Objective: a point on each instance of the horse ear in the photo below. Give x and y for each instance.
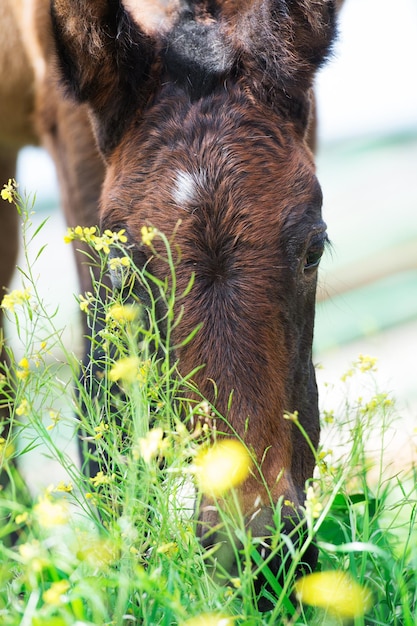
(104, 59)
(282, 44)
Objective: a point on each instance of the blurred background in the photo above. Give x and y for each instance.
(367, 166)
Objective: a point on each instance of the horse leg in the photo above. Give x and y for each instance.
(66, 132)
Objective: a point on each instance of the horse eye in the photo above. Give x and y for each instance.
(313, 256)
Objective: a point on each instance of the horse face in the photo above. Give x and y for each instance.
(240, 194)
(203, 132)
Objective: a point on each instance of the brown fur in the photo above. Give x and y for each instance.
(202, 117)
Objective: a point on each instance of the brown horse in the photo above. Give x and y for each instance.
(201, 114)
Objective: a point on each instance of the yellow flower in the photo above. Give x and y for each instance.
(86, 234)
(381, 400)
(100, 430)
(22, 518)
(119, 262)
(123, 313)
(170, 549)
(23, 373)
(70, 236)
(9, 191)
(89, 233)
(328, 417)
(55, 595)
(102, 244)
(292, 417)
(15, 298)
(366, 363)
(86, 301)
(348, 374)
(209, 619)
(125, 369)
(151, 446)
(33, 555)
(148, 235)
(6, 450)
(116, 237)
(49, 513)
(101, 479)
(143, 374)
(64, 487)
(335, 592)
(24, 363)
(312, 503)
(97, 552)
(55, 417)
(23, 408)
(223, 466)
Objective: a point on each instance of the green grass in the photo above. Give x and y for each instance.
(120, 547)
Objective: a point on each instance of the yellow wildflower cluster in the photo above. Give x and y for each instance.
(148, 234)
(6, 450)
(324, 462)
(169, 549)
(55, 595)
(379, 401)
(86, 301)
(55, 418)
(221, 467)
(152, 446)
(89, 235)
(334, 591)
(364, 363)
(123, 313)
(33, 555)
(64, 487)
(8, 192)
(125, 369)
(101, 479)
(118, 263)
(22, 518)
(23, 408)
(100, 430)
(96, 551)
(313, 504)
(328, 416)
(24, 369)
(15, 298)
(50, 513)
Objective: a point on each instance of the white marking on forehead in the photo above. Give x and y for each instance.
(188, 187)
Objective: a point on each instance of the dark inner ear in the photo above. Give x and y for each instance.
(105, 60)
(197, 55)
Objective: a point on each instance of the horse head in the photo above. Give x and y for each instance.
(202, 117)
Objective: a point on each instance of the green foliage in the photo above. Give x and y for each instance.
(120, 546)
